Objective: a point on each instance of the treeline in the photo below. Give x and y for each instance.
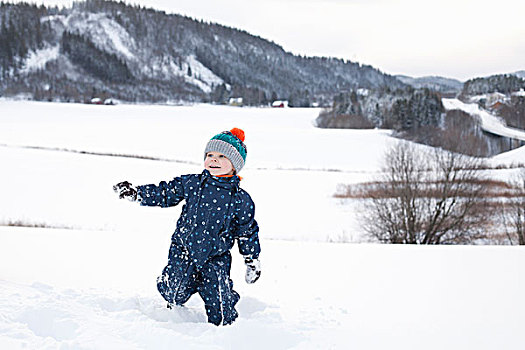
(20, 31)
(513, 112)
(503, 83)
(418, 115)
(401, 109)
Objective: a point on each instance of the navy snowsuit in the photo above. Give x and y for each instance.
(216, 213)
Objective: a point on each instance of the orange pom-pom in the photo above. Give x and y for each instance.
(239, 133)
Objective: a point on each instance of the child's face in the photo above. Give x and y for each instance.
(217, 164)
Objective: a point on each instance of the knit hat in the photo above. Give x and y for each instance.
(231, 144)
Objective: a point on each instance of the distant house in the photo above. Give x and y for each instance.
(279, 104)
(495, 97)
(495, 106)
(235, 101)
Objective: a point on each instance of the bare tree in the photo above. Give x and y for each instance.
(425, 197)
(514, 211)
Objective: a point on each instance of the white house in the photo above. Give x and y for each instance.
(280, 104)
(235, 101)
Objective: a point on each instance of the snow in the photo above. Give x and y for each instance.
(348, 296)
(90, 282)
(476, 98)
(53, 18)
(516, 156)
(489, 122)
(519, 93)
(363, 92)
(104, 32)
(201, 75)
(37, 59)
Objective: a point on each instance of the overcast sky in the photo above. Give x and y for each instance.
(459, 39)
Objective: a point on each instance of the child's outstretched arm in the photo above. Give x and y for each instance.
(165, 194)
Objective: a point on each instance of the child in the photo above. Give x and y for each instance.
(216, 213)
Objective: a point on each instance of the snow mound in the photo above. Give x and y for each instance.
(310, 296)
(41, 316)
(516, 156)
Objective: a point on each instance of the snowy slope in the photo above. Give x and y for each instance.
(103, 31)
(489, 122)
(110, 36)
(37, 59)
(91, 283)
(516, 156)
(201, 75)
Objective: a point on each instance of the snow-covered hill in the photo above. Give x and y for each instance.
(441, 84)
(489, 122)
(89, 282)
(111, 37)
(136, 54)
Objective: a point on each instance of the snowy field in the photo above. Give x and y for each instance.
(87, 279)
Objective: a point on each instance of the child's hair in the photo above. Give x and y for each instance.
(231, 144)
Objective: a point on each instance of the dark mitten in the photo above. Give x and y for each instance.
(126, 190)
(253, 270)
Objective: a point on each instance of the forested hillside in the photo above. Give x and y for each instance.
(419, 114)
(109, 49)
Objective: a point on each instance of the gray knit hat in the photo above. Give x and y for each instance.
(231, 144)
